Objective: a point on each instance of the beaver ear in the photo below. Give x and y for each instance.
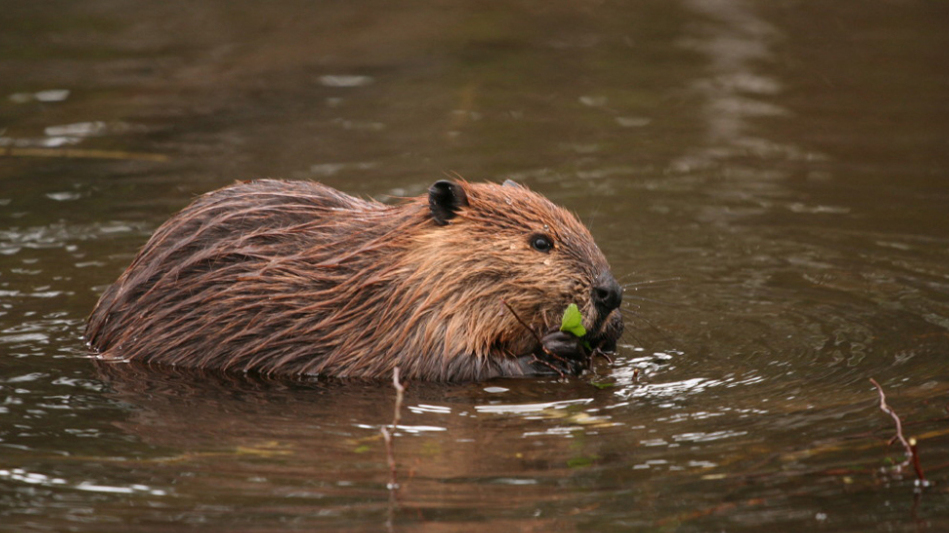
(444, 199)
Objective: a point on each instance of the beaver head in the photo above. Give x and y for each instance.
(508, 256)
(467, 282)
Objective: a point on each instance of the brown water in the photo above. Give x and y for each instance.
(779, 169)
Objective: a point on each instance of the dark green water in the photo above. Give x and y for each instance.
(781, 169)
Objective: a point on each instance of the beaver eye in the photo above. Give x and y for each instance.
(542, 243)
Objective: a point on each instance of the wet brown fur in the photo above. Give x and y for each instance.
(283, 277)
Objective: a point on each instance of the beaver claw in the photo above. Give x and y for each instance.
(560, 353)
(564, 345)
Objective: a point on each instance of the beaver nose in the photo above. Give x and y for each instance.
(607, 294)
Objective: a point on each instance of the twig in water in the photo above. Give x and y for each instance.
(387, 435)
(912, 455)
(916, 465)
(598, 352)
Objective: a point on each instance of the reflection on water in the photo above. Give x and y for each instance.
(768, 178)
(737, 43)
(33, 478)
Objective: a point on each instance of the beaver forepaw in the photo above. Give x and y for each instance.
(565, 345)
(560, 353)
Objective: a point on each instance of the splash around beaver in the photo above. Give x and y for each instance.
(468, 282)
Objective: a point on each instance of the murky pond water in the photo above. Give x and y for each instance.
(769, 179)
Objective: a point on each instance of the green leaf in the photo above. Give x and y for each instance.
(572, 321)
(603, 385)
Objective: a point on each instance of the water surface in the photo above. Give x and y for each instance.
(769, 180)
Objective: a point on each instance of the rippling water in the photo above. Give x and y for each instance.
(768, 180)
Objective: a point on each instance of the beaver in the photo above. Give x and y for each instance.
(468, 282)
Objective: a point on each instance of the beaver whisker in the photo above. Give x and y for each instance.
(648, 300)
(643, 284)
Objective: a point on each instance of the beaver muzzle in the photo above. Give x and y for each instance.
(563, 353)
(607, 293)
